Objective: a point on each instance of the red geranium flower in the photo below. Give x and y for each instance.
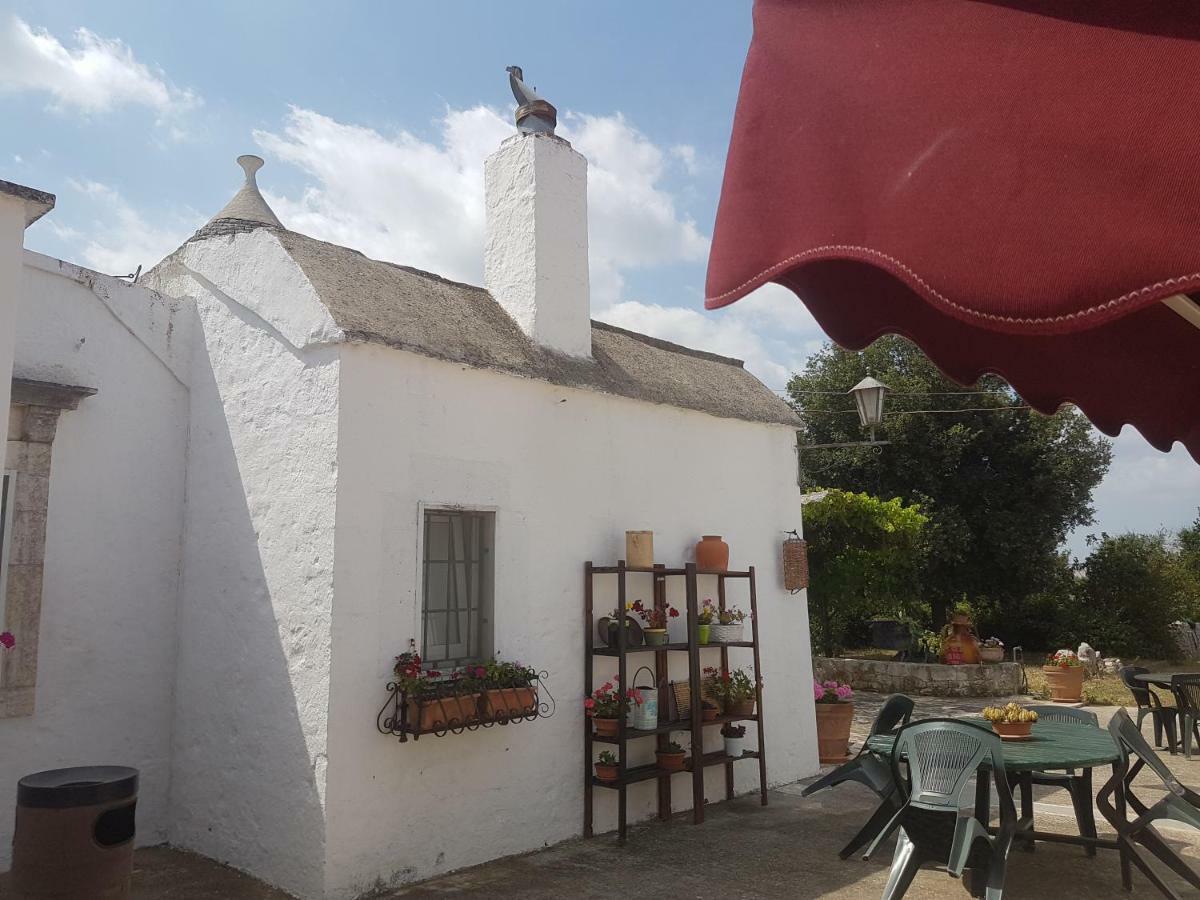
(7, 640)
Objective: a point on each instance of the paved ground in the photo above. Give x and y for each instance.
(785, 850)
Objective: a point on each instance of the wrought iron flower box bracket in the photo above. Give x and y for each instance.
(455, 708)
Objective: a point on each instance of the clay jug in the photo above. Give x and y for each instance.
(712, 554)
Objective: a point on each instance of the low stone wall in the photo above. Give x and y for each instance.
(928, 679)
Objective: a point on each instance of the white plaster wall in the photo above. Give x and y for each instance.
(568, 471)
(107, 642)
(536, 244)
(249, 743)
(12, 239)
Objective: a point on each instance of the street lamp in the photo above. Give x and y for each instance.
(868, 396)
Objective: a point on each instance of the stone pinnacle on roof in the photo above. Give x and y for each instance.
(248, 204)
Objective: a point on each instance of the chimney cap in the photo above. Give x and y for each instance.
(248, 204)
(534, 115)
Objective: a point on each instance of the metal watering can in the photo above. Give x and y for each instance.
(644, 715)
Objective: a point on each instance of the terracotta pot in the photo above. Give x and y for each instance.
(712, 554)
(991, 654)
(639, 549)
(741, 707)
(1012, 729)
(606, 773)
(1066, 683)
(671, 762)
(606, 727)
(510, 703)
(441, 713)
(708, 713)
(655, 637)
(833, 731)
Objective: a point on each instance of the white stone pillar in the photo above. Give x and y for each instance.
(536, 249)
(20, 207)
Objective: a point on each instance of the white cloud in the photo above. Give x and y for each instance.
(95, 76)
(121, 239)
(686, 154)
(401, 198)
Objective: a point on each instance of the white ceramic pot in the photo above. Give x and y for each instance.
(724, 634)
(735, 747)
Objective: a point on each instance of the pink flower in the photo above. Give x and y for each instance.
(818, 691)
(845, 692)
(589, 703)
(7, 641)
(830, 685)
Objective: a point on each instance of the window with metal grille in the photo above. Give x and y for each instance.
(456, 602)
(8, 486)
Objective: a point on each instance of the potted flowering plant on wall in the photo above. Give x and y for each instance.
(655, 630)
(435, 702)
(1064, 675)
(729, 625)
(735, 739)
(835, 712)
(508, 689)
(607, 704)
(733, 690)
(606, 766)
(606, 627)
(671, 758)
(704, 621)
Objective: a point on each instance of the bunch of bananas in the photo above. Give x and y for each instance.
(1010, 714)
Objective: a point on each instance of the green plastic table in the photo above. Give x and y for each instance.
(1054, 747)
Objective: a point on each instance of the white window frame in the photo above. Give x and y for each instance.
(488, 613)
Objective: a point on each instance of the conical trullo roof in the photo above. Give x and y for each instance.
(248, 205)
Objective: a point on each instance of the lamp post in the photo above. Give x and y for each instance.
(868, 397)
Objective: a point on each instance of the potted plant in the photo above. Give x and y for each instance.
(709, 710)
(435, 702)
(835, 712)
(729, 625)
(735, 690)
(508, 689)
(992, 650)
(1064, 675)
(959, 644)
(704, 621)
(929, 644)
(606, 628)
(672, 758)
(607, 704)
(606, 766)
(735, 739)
(655, 631)
(1011, 722)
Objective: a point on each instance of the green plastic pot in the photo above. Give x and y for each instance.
(702, 633)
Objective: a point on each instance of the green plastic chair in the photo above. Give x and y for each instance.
(1078, 786)
(1148, 704)
(1186, 689)
(867, 768)
(1179, 803)
(942, 755)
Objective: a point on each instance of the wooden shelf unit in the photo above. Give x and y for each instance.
(695, 723)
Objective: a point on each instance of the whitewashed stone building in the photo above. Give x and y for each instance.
(221, 479)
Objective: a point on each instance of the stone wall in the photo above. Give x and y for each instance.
(927, 679)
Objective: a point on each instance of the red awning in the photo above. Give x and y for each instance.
(1015, 186)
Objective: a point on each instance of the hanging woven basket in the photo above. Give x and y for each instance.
(795, 564)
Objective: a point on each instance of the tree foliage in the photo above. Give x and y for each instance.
(864, 555)
(1002, 486)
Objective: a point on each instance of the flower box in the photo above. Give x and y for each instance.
(441, 713)
(510, 703)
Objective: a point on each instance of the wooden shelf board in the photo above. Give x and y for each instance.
(677, 645)
(612, 570)
(667, 727)
(719, 758)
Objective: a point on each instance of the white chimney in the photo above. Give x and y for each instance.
(536, 248)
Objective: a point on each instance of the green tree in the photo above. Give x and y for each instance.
(1001, 485)
(1137, 585)
(864, 554)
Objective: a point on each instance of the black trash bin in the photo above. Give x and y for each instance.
(74, 834)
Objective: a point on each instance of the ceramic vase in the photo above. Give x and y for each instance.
(712, 554)
(639, 549)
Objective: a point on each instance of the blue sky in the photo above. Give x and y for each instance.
(374, 120)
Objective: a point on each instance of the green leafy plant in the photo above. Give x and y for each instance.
(607, 758)
(730, 730)
(672, 748)
(707, 612)
(729, 687)
(502, 674)
(730, 615)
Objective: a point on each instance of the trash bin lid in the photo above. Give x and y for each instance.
(79, 786)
